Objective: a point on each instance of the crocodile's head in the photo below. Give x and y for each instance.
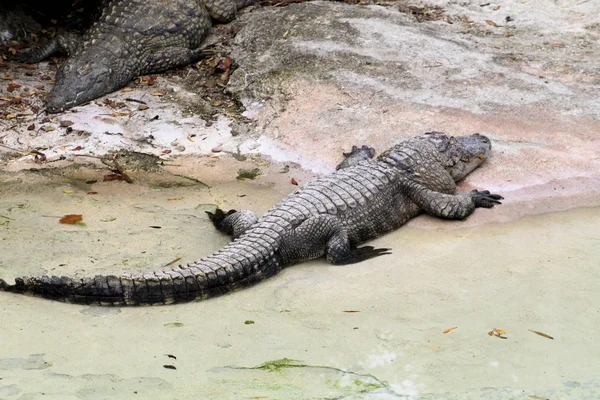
(460, 155)
(81, 79)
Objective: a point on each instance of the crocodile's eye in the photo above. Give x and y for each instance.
(84, 69)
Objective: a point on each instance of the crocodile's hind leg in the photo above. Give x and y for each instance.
(356, 155)
(233, 222)
(63, 42)
(325, 235)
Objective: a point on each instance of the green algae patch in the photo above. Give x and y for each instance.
(252, 173)
(278, 365)
(174, 325)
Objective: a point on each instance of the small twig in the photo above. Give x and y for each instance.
(121, 170)
(10, 148)
(115, 165)
(135, 100)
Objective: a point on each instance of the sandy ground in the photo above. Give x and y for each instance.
(371, 330)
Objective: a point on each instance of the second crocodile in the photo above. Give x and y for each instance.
(327, 217)
(130, 38)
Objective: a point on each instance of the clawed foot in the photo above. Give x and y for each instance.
(364, 253)
(485, 199)
(218, 217)
(24, 57)
(356, 155)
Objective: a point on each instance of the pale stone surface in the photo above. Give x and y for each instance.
(335, 75)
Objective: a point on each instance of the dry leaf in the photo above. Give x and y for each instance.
(351, 311)
(48, 128)
(65, 123)
(541, 334)
(490, 22)
(71, 219)
(13, 86)
(294, 182)
(142, 107)
(450, 329)
(175, 198)
(113, 177)
(120, 113)
(159, 94)
(173, 262)
(498, 333)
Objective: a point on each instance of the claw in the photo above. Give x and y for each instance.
(485, 199)
(366, 252)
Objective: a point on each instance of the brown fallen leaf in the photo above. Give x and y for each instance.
(71, 219)
(65, 123)
(158, 94)
(31, 127)
(175, 198)
(13, 86)
(113, 177)
(294, 182)
(533, 396)
(173, 262)
(490, 22)
(450, 329)
(351, 311)
(541, 334)
(92, 192)
(498, 333)
(142, 107)
(120, 113)
(28, 66)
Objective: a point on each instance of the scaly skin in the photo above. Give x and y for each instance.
(131, 38)
(327, 217)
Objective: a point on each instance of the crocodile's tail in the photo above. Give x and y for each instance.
(237, 265)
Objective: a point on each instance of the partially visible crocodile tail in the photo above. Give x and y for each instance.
(233, 267)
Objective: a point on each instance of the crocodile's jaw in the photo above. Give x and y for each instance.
(85, 78)
(467, 153)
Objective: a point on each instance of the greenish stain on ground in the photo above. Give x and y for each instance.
(248, 174)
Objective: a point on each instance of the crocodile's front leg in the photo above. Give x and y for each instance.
(232, 223)
(324, 235)
(449, 205)
(170, 57)
(356, 155)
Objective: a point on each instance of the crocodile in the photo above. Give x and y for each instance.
(329, 217)
(130, 38)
